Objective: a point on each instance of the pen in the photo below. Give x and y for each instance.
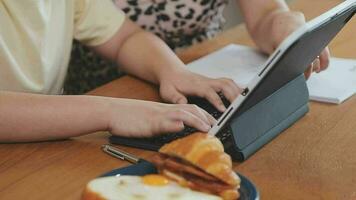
(117, 153)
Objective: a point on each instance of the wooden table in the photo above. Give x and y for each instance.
(313, 159)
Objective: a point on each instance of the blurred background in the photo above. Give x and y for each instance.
(232, 17)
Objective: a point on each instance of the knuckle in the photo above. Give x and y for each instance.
(220, 81)
(202, 92)
(229, 80)
(197, 121)
(217, 82)
(180, 113)
(208, 93)
(194, 107)
(216, 97)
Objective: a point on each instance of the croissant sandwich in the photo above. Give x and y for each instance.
(199, 162)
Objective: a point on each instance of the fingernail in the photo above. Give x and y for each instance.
(222, 107)
(181, 101)
(206, 127)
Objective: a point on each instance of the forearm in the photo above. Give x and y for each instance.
(30, 117)
(140, 53)
(148, 57)
(264, 19)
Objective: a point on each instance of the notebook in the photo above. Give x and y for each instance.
(242, 63)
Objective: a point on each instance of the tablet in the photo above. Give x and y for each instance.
(290, 59)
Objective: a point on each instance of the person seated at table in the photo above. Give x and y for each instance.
(182, 23)
(34, 52)
(35, 44)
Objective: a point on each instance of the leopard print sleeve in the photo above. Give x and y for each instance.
(180, 23)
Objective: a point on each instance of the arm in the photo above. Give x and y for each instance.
(32, 117)
(264, 19)
(269, 22)
(144, 55)
(140, 53)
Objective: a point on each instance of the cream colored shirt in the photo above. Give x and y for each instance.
(36, 38)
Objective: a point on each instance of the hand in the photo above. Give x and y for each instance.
(284, 23)
(176, 85)
(135, 118)
(319, 64)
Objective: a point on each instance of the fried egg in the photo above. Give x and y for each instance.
(149, 187)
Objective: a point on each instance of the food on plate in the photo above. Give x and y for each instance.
(191, 168)
(199, 162)
(148, 187)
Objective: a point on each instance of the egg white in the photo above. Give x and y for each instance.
(132, 188)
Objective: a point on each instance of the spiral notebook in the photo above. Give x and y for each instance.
(242, 63)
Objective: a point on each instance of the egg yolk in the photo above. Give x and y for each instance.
(155, 180)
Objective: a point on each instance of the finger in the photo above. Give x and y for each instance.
(211, 119)
(308, 72)
(196, 111)
(190, 120)
(324, 59)
(228, 88)
(170, 126)
(170, 94)
(181, 99)
(213, 98)
(316, 65)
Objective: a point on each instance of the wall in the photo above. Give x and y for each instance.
(232, 14)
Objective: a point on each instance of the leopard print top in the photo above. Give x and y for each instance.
(180, 23)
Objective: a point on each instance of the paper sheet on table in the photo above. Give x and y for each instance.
(335, 84)
(242, 63)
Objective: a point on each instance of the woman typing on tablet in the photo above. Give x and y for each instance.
(34, 53)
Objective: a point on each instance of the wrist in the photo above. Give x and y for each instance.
(169, 73)
(118, 111)
(275, 27)
(284, 23)
(101, 111)
(283, 18)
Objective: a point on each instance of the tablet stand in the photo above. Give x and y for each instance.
(253, 128)
(264, 121)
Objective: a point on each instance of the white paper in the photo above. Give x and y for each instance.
(237, 62)
(335, 84)
(242, 63)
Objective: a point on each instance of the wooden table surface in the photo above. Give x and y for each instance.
(313, 159)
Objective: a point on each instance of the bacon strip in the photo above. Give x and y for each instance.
(197, 178)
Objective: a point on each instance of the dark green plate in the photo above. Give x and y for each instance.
(248, 190)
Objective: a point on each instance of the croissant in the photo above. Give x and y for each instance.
(199, 162)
